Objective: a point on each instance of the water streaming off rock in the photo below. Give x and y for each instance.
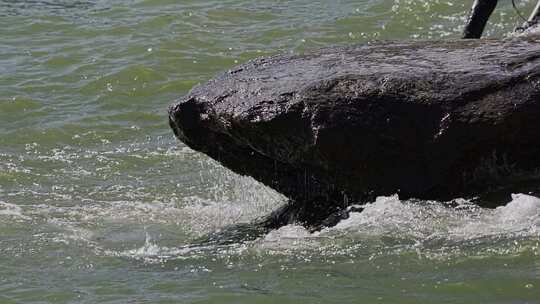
(100, 204)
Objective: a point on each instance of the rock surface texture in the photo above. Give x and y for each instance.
(427, 120)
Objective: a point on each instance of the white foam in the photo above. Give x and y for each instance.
(421, 222)
(520, 216)
(12, 210)
(388, 215)
(149, 249)
(151, 252)
(523, 209)
(288, 237)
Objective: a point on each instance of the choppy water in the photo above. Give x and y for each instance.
(98, 201)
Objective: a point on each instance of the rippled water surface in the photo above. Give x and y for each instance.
(99, 203)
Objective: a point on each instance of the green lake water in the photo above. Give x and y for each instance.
(99, 202)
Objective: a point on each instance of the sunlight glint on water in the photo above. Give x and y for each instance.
(100, 204)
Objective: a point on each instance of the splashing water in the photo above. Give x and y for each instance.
(426, 225)
(100, 204)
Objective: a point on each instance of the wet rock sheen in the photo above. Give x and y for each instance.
(427, 120)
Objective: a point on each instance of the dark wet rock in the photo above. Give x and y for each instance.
(427, 120)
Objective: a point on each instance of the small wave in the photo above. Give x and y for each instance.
(150, 252)
(153, 253)
(289, 237)
(427, 228)
(387, 227)
(31, 6)
(430, 219)
(12, 210)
